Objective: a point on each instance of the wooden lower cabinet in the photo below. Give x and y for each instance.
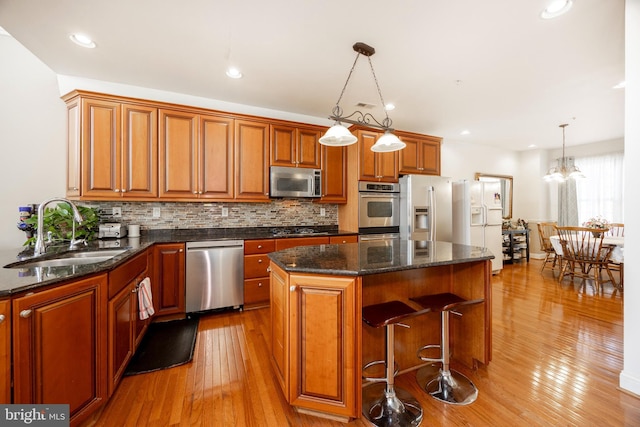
(167, 284)
(60, 346)
(256, 274)
(124, 326)
(5, 351)
(315, 330)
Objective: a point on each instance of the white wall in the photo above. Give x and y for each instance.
(630, 376)
(32, 136)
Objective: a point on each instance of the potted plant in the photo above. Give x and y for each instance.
(58, 221)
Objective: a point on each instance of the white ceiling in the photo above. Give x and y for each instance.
(492, 67)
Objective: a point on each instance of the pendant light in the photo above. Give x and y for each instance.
(339, 135)
(565, 167)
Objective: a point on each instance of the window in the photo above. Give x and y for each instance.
(601, 192)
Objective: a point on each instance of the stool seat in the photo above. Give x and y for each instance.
(384, 404)
(383, 314)
(442, 383)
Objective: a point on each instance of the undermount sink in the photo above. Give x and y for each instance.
(69, 258)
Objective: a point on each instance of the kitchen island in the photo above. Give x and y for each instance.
(319, 343)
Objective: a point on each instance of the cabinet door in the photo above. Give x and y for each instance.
(280, 327)
(5, 351)
(283, 145)
(334, 174)
(121, 310)
(139, 151)
(168, 286)
(252, 160)
(178, 138)
(215, 158)
(74, 142)
(367, 161)
(420, 156)
(101, 148)
(60, 346)
(324, 329)
(308, 147)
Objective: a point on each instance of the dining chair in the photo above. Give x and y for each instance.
(545, 231)
(616, 229)
(584, 255)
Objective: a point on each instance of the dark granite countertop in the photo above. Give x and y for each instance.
(378, 256)
(16, 280)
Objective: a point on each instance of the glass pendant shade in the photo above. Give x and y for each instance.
(388, 142)
(338, 136)
(565, 167)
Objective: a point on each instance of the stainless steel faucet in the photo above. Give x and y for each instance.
(40, 247)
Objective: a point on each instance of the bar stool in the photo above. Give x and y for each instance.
(442, 383)
(384, 404)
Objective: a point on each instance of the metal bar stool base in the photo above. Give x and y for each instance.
(398, 408)
(449, 387)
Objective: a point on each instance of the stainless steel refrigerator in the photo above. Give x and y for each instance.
(477, 217)
(425, 208)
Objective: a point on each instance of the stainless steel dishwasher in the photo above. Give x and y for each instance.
(214, 275)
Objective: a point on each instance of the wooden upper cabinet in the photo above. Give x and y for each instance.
(334, 174)
(421, 155)
(373, 166)
(251, 160)
(178, 142)
(119, 150)
(74, 149)
(215, 157)
(295, 146)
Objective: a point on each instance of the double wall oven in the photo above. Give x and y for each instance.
(378, 210)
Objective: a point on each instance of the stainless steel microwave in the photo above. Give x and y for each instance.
(295, 182)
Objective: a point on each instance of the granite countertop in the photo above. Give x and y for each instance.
(16, 280)
(378, 256)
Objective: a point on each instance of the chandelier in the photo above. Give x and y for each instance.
(338, 135)
(565, 167)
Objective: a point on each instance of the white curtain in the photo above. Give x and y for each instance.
(567, 204)
(600, 193)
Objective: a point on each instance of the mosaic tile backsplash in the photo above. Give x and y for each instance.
(277, 213)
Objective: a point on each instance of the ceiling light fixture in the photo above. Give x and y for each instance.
(565, 167)
(234, 73)
(620, 85)
(556, 8)
(339, 135)
(82, 40)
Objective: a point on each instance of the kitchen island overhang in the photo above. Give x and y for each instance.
(319, 342)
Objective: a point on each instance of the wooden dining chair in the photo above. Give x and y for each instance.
(545, 231)
(584, 255)
(616, 229)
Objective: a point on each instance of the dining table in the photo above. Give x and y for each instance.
(617, 254)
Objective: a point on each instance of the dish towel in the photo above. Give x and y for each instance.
(145, 302)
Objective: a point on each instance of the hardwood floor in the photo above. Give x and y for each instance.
(557, 355)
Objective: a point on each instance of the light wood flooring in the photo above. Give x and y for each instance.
(557, 355)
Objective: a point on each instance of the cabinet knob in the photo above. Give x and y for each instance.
(124, 190)
(25, 313)
(259, 246)
(180, 250)
(266, 194)
(259, 261)
(195, 192)
(292, 288)
(2, 315)
(259, 284)
(269, 269)
(117, 190)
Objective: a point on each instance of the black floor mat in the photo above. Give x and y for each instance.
(166, 344)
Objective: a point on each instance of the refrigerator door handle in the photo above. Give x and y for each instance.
(431, 196)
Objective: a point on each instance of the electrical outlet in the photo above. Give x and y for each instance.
(156, 212)
(323, 212)
(116, 212)
(225, 212)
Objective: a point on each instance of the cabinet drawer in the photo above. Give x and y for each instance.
(124, 274)
(256, 291)
(292, 242)
(259, 246)
(256, 266)
(343, 239)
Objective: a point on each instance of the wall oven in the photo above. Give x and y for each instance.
(378, 208)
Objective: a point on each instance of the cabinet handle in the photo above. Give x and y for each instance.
(117, 190)
(259, 246)
(124, 190)
(195, 192)
(2, 315)
(25, 313)
(259, 261)
(259, 284)
(180, 250)
(292, 288)
(266, 194)
(269, 269)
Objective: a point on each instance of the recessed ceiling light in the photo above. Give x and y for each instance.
(620, 85)
(389, 107)
(465, 132)
(82, 40)
(556, 8)
(532, 146)
(234, 73)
